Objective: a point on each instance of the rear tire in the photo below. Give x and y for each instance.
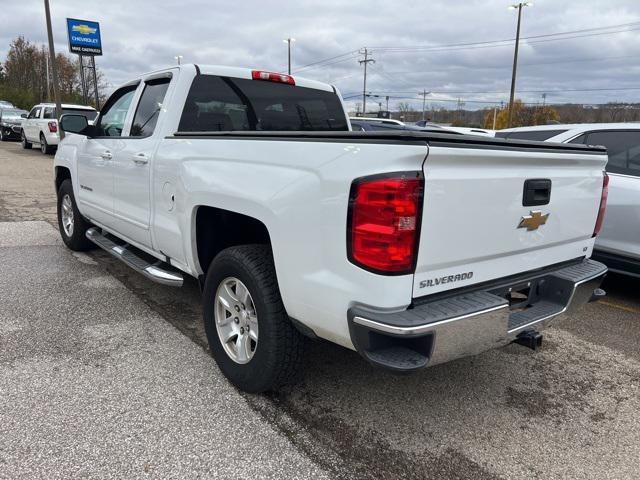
(45, 148)
(2, 139)
(72, 225)
(276, 357)
(25, 144)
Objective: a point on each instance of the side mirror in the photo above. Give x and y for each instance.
(24, 115)
(74, 124)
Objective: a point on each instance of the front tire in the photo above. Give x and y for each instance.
(25, 143)
(2, 138)
(250, 335)
(72, 225)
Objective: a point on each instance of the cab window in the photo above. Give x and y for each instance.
(623, 148)
(34, 113)
(113, 115)
(149, 107)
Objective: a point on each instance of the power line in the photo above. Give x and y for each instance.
(509, 40)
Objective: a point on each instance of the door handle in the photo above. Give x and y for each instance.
(140, 159)
(106, 155)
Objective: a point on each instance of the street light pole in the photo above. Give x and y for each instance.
(288, 42)
(424, 94)
(54, 68)
(364, 86)
(517, 6)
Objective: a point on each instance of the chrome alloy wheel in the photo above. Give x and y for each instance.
(236, 320)
(66, 213)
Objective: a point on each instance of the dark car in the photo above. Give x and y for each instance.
(11, 123)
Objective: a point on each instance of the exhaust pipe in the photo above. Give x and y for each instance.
(530, 339)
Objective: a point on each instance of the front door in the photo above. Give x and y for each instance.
(96, 158)
(133, 164)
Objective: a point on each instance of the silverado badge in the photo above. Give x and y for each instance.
(533, 220)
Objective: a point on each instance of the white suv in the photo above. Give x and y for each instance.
(41, 125)
(618, 244)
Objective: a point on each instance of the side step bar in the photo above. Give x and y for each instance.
(126, 253)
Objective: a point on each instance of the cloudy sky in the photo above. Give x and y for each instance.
(584, 51)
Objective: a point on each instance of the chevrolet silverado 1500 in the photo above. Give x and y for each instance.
(413, 248)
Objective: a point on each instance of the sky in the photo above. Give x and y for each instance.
(428, 45)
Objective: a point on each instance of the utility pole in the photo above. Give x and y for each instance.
(387, 98)
(288, 42)
(54, 68)
(424, 94)
(519, 7)
(364, 86)
(495, 115)
(178, 58)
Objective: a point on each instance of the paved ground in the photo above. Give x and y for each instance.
(110, 387)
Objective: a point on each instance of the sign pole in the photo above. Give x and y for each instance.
(95, 82)
(83, 81)
(54, 68)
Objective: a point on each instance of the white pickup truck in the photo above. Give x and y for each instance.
(413, 248)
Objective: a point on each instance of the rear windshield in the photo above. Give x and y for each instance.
(225, 104)
(540, 135)
(50, 112)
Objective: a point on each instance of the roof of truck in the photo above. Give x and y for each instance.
(67, 105)
(237, 72)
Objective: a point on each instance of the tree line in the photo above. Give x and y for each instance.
(26, 80)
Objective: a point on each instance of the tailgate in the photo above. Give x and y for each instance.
(473, 206)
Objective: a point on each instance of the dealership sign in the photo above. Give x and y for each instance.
(84, 37)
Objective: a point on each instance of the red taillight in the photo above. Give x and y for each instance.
(272, 77)
(53, 127)
(384, 219)
(603, 204)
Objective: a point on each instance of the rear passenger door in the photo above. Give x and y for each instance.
(621, 230)
(133, 164)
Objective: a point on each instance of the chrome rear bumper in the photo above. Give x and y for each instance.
(469, 323)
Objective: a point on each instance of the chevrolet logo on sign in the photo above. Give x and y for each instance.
(84, 29)
(533, 220)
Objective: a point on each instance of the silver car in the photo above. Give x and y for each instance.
(618, 244)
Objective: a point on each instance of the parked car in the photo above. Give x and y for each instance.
(413, 248)
(471, 131)
(41, 126)
(11, 123)
(5, 104)
(618, 245)
(385, 121)
(359, 125)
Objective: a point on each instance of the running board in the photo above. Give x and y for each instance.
(126, 253)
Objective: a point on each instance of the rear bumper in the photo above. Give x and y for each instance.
(469, 323)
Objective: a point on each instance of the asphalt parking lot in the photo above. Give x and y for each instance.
(107, 374)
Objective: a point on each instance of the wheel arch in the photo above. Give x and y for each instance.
(61, 174)
(217, 229)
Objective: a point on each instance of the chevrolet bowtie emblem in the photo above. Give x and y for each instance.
(534, 220)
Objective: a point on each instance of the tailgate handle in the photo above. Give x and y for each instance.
(537, 191)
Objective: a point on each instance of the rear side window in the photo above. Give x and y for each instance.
(49, 112)
(146, 117)
(539, 135)
(224, 104)
(623, 148)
